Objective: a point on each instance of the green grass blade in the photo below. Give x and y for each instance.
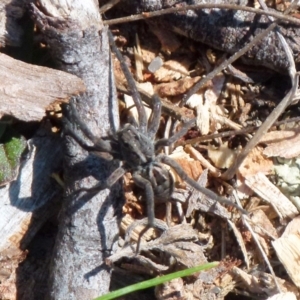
(156, 281)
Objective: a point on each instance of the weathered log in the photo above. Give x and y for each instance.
(11, 32)
(27, 91)
(89, 223)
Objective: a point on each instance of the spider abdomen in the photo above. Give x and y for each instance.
(162, 182)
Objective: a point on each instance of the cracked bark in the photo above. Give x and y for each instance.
(89, 223)
(225, 30)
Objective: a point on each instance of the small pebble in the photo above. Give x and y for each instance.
(155, 64)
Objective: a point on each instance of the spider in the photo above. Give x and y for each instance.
(139, 152)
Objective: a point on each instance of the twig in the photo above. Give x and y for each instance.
(225, 63)
(178, 113)
(261, 250)
(230, 133)
(147, 15)
(273, 116)
(131, 84)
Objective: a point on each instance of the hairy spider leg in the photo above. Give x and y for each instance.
(149, 195)
(148, 130)
(114, 177)
(169, 141)
(68, 129)
(154, 120)
(173, 164)
(131, 85)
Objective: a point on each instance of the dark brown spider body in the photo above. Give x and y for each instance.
(138, 151)
(138, 155)
(162, 182)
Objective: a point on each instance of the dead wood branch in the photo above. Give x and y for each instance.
(33, 87)
(226, 30)
(89, 222)
(10, 31)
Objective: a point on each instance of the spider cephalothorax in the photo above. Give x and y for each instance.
(135, 147)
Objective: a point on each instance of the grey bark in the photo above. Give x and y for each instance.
(89, 223)
(226, 30)
(11, 32)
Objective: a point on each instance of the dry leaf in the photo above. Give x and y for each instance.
(204, 162)
(222, 157)
(202, 112)
(127, 220)
(242, 189)
(173, 70)
(175, 88)
(260, 220)
(171, 290)
(255, 162)
(263, 230)
(263, 187)
(213, 93)
(284, 143)
(177, 241)
(190, 166)
(287, 248)
(198, 201)
(206, 105)
(261, 282)
(148, 55)
(203, 288)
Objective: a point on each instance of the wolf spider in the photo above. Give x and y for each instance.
(135, 147)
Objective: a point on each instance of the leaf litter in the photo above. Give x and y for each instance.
(220, 106)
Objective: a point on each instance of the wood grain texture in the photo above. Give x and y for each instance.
(89, 223)
(10, 30)
(27, 91)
